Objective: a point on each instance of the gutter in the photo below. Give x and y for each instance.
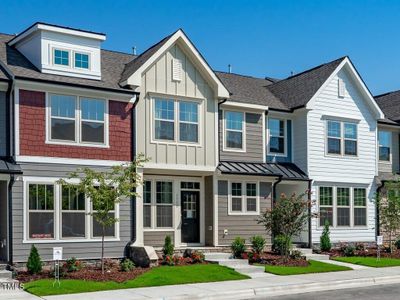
(309, 215)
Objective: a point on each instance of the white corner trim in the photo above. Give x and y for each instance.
(136, 78)
(68, 161)
(245, 106)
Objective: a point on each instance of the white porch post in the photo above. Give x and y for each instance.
(139, 212)
(215, 215)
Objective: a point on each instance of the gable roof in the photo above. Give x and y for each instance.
(112, 66)
(390, 105)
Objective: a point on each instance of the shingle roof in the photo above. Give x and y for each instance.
(135, 64)
(9, 167)
(3, 75)
(389, 103)
(288, 171)
(112, 66)
(286, 94)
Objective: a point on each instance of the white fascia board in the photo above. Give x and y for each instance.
(84, 34)
(68, 161)
(370, 99)
(245, 106)
(136, 78)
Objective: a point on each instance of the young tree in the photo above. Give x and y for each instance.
(105, 189)
(325, 240)
(287, 217)
(388, 205)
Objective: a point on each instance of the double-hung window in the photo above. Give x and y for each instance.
(92, 120)
(343, 206)
(164, 118)
(188, 122)
(164, 204)
(360, 207)
(97, 228)
(61, 57)
(276, 136)
(73, 213)
(41, 211)
(63, 118)
(325, 205)
(78, 120)
(342, 138)
(385, 142)
(81, 60)
(147, 201)
(234, 127)
(244, 198)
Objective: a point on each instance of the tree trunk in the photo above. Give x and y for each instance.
(102, 250)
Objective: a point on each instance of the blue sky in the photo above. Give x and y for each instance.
(259, 38)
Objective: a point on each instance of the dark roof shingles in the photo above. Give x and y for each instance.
(389, 103)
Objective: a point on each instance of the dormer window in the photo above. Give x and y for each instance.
(81, 60)
(61, 57)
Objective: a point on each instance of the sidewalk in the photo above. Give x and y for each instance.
(268, 286)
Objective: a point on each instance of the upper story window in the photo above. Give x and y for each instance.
(176, 120)
(61, 57)
(234, 130)
(77, 120)
(277, 136)
(385, 142)
(341, 138)
(81, 60)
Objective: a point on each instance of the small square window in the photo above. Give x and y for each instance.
(61, 57)
(81, 60)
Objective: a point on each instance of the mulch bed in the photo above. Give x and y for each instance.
(368, 252)
(270, 258)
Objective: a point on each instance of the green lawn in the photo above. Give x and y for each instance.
(370, 261)
(314, 267)
(156, 277)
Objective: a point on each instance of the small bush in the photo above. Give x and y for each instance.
(325, 240)
(397, 243)
(349, 250)
(72, 265)
(168, 249)
(127, 265)
(34, 264)
(296, 254)
(257, 244)
(360, 247)
(253, 257)
(238, 247)
(282, 244)
(197, 257)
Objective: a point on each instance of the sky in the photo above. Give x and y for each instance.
(258, 38)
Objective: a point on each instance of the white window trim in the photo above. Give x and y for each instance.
(78, 123)
(224, 146)
(342, 139)
(89, 60)
(244, 197)
(177, 100)
(390, 147)
(285, 144)
(334, 207)
(57, 215)
(53, 57)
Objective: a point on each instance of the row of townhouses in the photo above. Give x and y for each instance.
(221, 146)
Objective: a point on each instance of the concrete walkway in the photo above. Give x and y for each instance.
(252, 288)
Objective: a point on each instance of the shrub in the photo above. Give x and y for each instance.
(168, 249)
(296, 254)
(72, 265)
(349, 250)
(197, 257)
(360, 247)
(397, 243)
(283, 244)
(253, 257)
(34, 264)
(257, 244)
(127, 265)
(238, 247)
(325, 240)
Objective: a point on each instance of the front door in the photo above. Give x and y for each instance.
(190, 201)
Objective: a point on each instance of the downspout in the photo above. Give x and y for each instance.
(273, 200)
(309, 215)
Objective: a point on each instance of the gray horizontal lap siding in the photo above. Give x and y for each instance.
(156, 238)
(81, 250)
(241, 225)
(3, 124)
(254, 140)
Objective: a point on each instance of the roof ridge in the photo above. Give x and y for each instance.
(270, 79)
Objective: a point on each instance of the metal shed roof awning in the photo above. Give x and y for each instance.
(287, 171)
(9, 167)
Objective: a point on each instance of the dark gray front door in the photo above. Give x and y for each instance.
(190, 201)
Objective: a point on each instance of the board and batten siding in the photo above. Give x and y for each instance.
(392, 166)
(80, 250)
(157, 81)
(244, 226)
(340, 171)
(3, 124)
(157, 238)
(253, 138)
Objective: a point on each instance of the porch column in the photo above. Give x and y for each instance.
(139, 212)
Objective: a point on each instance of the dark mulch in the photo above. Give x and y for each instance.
(366, 252)
(270, 258)
(92, 273)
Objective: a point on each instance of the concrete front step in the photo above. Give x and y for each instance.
(304, 251)
(250, 269)
(232, 263)
(3, 267)
(317, 256)
(5, 274)
(217, 256)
